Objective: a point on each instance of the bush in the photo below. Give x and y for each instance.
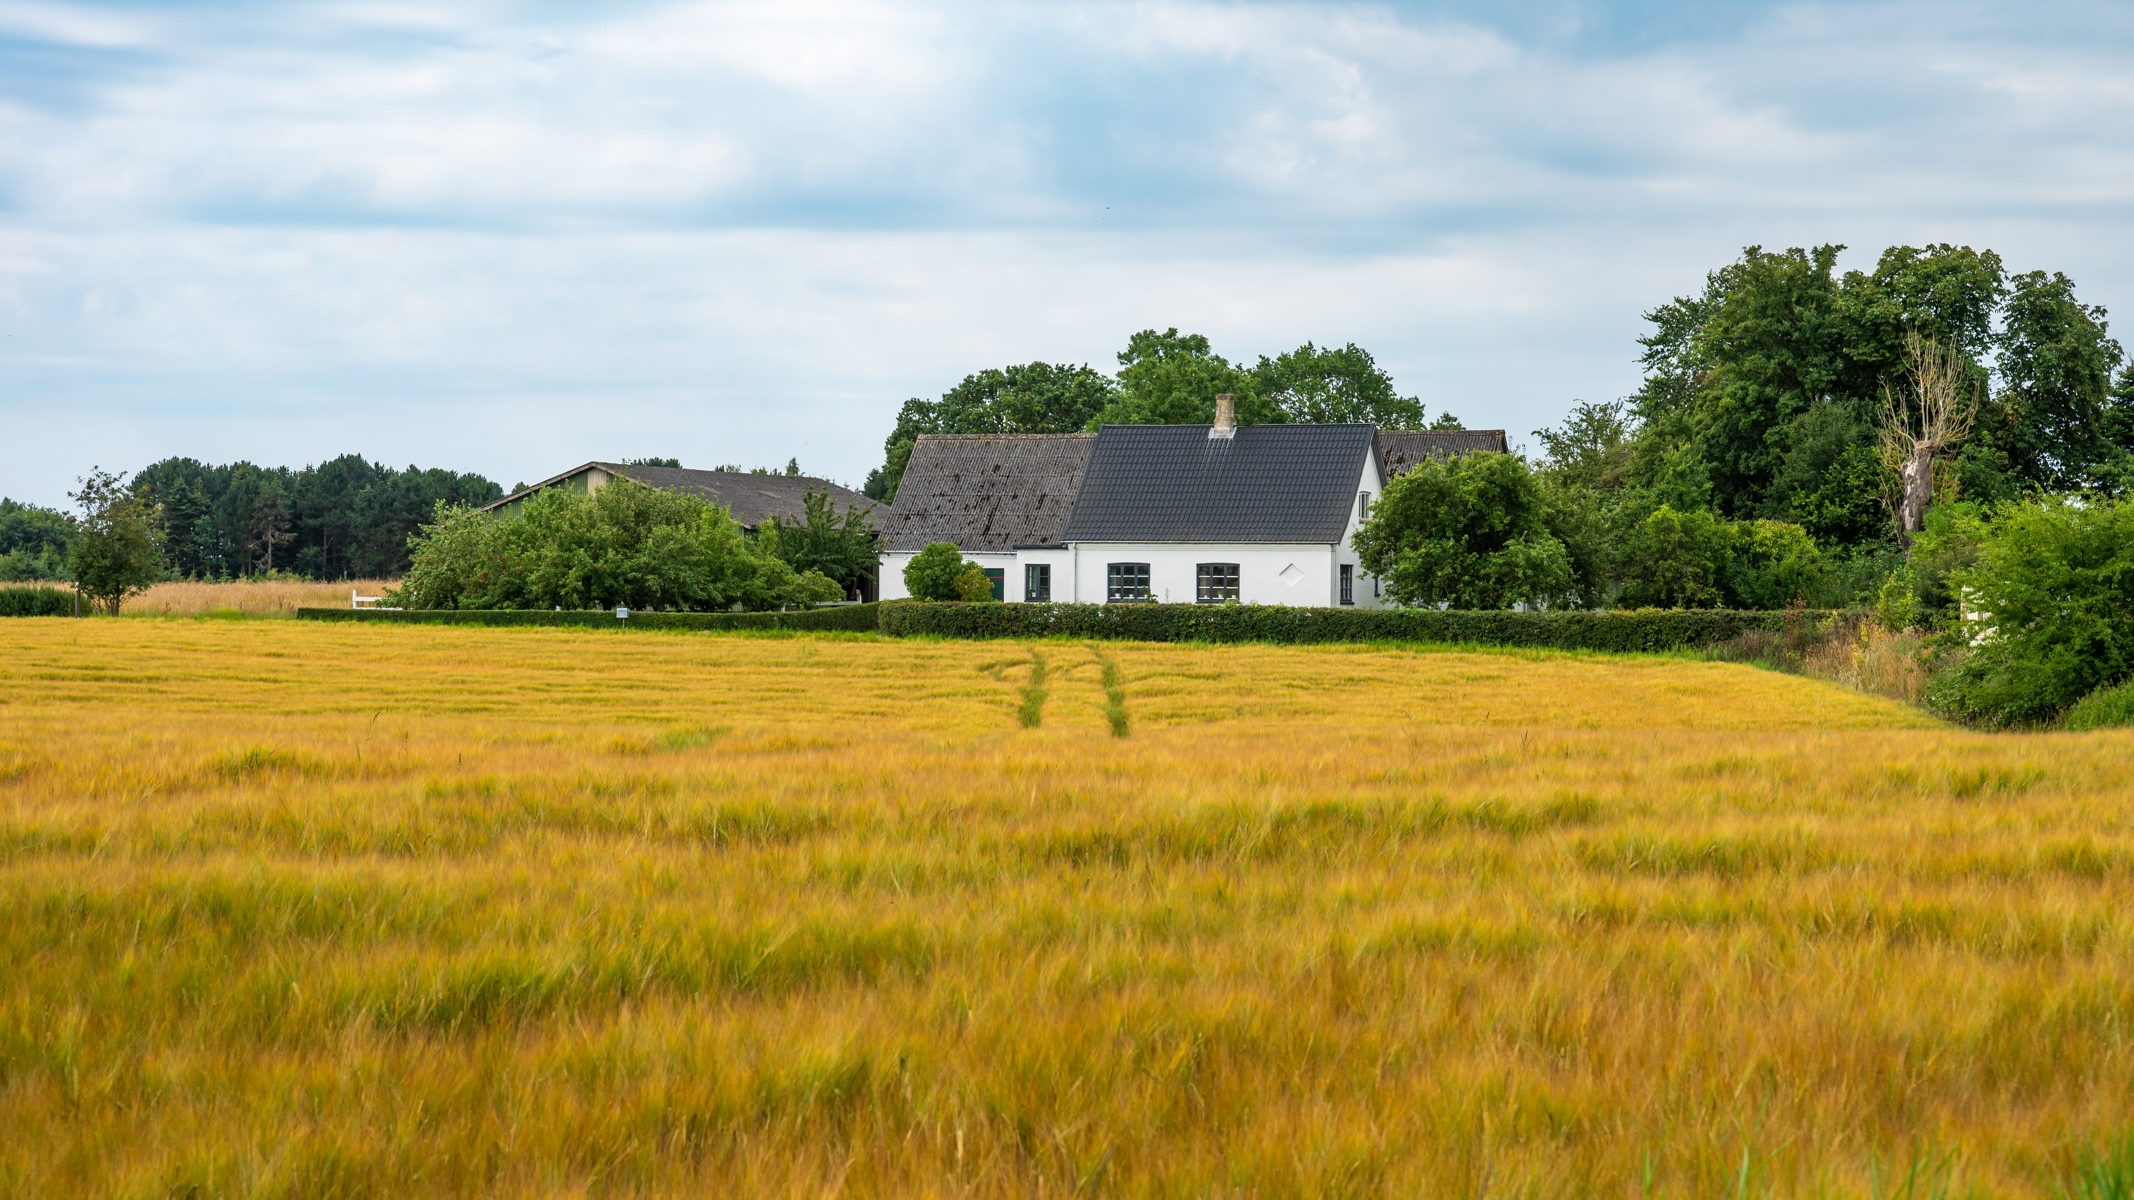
(625, 544)
(2052, 612)
(972, 585)
(1467, 531)
(932, 573)
(2105, 708)
(855, 618)
(36, 602)
(1676, 559)
(1616, 630)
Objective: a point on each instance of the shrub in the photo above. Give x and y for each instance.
(1676, 559)
(625, 544)
(1469, 532)
(2105, 708)
(932, 573)
(2052, 612)
(36, 602)
(973, 586)
(1774, 565)
(1615, 629)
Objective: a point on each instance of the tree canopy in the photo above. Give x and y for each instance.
(1032, 398)
(117, 548)
(625, 544)
(344, 518)
(1167, 378)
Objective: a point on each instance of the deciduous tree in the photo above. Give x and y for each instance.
(117, 549)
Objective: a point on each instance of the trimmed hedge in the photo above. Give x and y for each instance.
(36, 602)
(1648, 629)
(849, 617)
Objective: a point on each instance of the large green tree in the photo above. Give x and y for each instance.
(2064, 427)
(1032, 398)
(1173, 378)
(1466, 532)
(1762, 395)
(842, 546)
(1335, 386)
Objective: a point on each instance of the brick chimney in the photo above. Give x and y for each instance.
(1225, 417)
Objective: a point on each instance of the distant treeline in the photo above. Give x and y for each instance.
(343, 519)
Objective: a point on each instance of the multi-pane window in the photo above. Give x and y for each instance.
(1348, 584)
(1214, 583)
(998, 577)
(1126, 581)
(1037, 582)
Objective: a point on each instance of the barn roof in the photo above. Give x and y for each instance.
(748, 496)
(986, 492)
(1400, 450)
(1264, 483)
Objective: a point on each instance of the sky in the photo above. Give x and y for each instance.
(511, 238)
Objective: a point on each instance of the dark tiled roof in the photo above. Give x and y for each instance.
(987, 492)
(1399, 450)
(748, 496)
(1266, 483)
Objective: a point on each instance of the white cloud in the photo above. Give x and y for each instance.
(491, 237)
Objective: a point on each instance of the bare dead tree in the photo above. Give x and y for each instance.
(1926, 420)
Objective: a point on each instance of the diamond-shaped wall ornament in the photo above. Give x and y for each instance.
(1290, 575)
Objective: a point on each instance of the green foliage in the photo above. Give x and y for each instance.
(1171, 378)
(36, 602)
(1701, 560)
(1333, 387)
(1897, 603)
(1944, 550)
(652, 462)
(1762, 395)
(1676, 560)
(2067, 430)
(933, 573)
(1774, 565)
(2105, 708)
(2052, 612)
(972, 586)
(117, 548)
(33, 541)
(1646, 630)
(842, 547)
(344, 518)
(2106, 1174)
(1468, 532)
(1032, 398)
(625, 544)
(850, 618)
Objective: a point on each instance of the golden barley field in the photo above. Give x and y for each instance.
(343, 911)
(272, 598)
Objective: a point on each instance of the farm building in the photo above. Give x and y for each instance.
(749, 496)
(1262, 514)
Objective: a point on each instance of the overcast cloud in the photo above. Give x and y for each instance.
(512, 237)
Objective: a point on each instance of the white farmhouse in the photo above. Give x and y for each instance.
(1261, 514)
